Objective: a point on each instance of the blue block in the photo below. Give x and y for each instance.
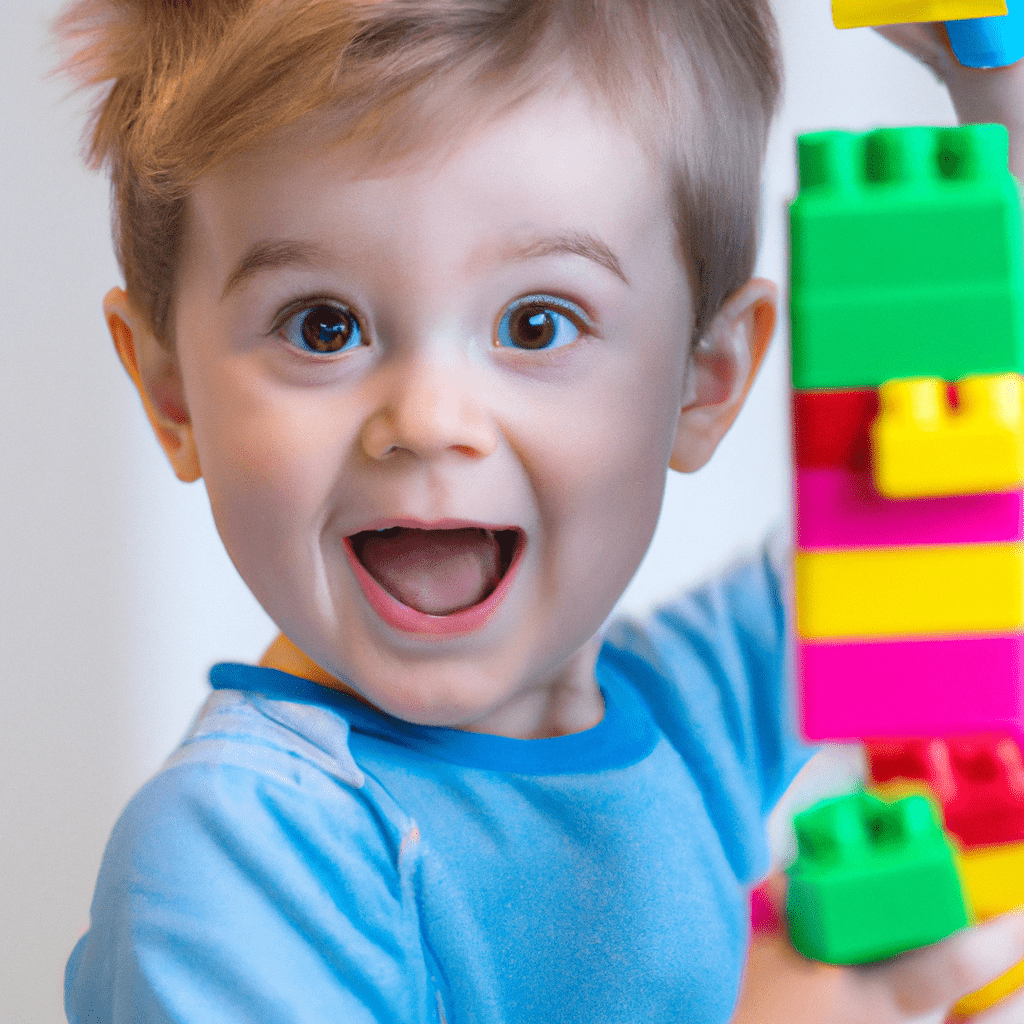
(989, 42)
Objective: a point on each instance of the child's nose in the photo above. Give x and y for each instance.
(429, 408)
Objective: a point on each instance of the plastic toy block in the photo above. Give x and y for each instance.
(993, 879)
(899, 238)
(977, 781)
(902, 688)
(861, 13)
(926, 590)
(994, 992)
(840, 508)
(764, 916)
(990, 42)
(921, 447)
(831, 429)
(871, 880)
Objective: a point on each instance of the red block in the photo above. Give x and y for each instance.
(830, 428)
(978, 780)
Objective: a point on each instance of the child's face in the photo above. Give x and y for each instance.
(428, 406)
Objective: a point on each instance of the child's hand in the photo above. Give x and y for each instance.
(927, 42)
(922, 985)
(916, 988)
(980, 96)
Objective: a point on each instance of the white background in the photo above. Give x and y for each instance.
(115, 596)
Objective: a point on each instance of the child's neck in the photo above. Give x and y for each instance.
(284, 656)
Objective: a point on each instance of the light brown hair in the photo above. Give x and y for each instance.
(188, 83)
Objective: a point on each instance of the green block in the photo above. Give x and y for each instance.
(871, 880)
(906, 257)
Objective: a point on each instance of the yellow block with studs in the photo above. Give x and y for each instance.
(926, 590)
(993, 878)
(993, 882)
(922, 447)
(858, 13)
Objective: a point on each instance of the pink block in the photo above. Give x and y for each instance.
(764, 918)
(840, 508)
(904, 688)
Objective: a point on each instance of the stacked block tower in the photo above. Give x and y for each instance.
(907, 326)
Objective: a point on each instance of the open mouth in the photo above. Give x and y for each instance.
(436, 572)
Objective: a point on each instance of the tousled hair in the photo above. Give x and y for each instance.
(185, 84)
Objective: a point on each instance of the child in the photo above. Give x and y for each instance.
(432, 293)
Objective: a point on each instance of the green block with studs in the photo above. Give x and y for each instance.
(906, 257)
(872, 879)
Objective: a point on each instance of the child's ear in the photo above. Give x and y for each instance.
(723, 365)
(155, 373)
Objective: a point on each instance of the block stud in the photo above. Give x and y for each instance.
(900, 156)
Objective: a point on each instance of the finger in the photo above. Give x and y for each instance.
(928, 42)
(936, 976)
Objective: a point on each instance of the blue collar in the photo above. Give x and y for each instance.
(625, 735)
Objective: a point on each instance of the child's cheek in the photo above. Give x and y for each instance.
(269, 467)
(608, 450)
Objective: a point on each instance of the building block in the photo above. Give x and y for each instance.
(989, 42)
(765, 918)
(899, 237)
(903, 688)
(832, 429)
(921, 447)
(871, 880)
(1006, 984)
(993, 879)
(977, 781)
(840, 508)
(861, 13)
(905, 591)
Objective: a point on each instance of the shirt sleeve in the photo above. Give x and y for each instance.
(714, 666)
(232, 893)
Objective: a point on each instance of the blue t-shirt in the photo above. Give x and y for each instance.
(303, 858)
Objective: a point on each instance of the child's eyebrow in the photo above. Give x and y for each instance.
(277, 254)
(575, 243)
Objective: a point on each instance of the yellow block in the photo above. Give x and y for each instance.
(927, 590)
(993, 878)
(857, 13)
(922, 447)
(993, 881)
(900, 789)
(988, 996)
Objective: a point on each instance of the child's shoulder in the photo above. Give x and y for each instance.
(262, 772)
(261, 827)
(257, 785)
(300, 745)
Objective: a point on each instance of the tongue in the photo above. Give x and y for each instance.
(433, 571)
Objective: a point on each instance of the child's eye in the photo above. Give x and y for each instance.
(323, 328)
(540, 322)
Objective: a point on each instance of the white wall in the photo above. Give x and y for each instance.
(114, 594)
